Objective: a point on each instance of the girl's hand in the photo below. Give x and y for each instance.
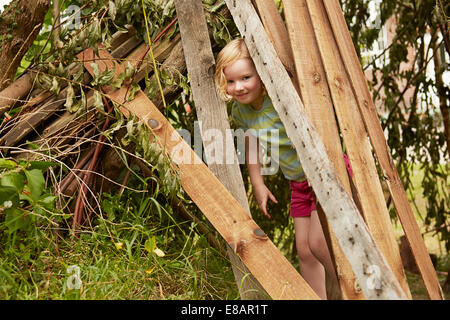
(263, 194)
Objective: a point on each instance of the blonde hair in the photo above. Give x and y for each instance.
(233, 51)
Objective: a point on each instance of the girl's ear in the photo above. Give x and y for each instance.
(264, 89)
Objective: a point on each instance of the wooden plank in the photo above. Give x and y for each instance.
(212, 115)
(277, 33)
(273, 271)
(342, 213)
(373, 126)
(315, 95)
(357, 144)
(319, 106)
(31, 121)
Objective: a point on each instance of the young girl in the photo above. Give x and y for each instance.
(237, 79)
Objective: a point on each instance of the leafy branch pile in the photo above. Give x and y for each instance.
(86, 173)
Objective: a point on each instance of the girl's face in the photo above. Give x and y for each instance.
(243, 83)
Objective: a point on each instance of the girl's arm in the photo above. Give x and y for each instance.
(262, 193)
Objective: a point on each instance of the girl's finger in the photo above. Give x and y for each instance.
(272, 197)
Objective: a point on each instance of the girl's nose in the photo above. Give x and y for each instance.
(238, 86)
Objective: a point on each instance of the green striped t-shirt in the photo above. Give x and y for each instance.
(272, 135)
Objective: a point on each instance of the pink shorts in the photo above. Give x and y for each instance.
(302, 197)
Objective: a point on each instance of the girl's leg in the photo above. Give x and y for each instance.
(311, 269)
(318, 245)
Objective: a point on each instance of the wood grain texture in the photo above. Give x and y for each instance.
(342, 213)
(319, 106)
(378, 140)
(212, 116)
(273, 271)
(357, 144)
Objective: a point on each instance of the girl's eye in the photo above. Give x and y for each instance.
(246, 77)
(230, 81)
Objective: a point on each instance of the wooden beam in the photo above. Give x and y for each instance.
(341, 211)
(278, 35)
(358, 147)
(212, 115)
(319, 107)
(273, 271)
(373, 126)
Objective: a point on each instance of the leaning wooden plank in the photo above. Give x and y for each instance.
(342, 213)
(373, 126)
(277, 33)
(314, 88)
(212, 117)
(319, 106)
(365, 175)
(273, 271)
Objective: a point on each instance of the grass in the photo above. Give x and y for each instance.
(434, 246)
(106, 272)
(139, 249)
(116, 258)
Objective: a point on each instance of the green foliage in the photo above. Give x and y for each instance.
(27, 207)
(410, 95)
(137, 248)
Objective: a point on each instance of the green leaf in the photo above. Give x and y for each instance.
(13, 179)
(47, 201)
(107, 76)
(36, 183)
(133, 90)
(16, 220)
(8, 164)
(117, 83)
(96, 71)
(9, 197)
(41, 165)
(150, 244)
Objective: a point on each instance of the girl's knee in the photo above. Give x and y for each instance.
(304, 252)
(317, 245)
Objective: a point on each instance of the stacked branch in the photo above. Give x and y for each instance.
(46, 129)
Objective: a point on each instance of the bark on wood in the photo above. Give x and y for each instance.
(22, 21)
(29, 122)
(212, 115)
(342, 213)
(14, 92)
(265, 262)
(370, 118)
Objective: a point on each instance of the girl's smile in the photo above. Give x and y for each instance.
(244, 84)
